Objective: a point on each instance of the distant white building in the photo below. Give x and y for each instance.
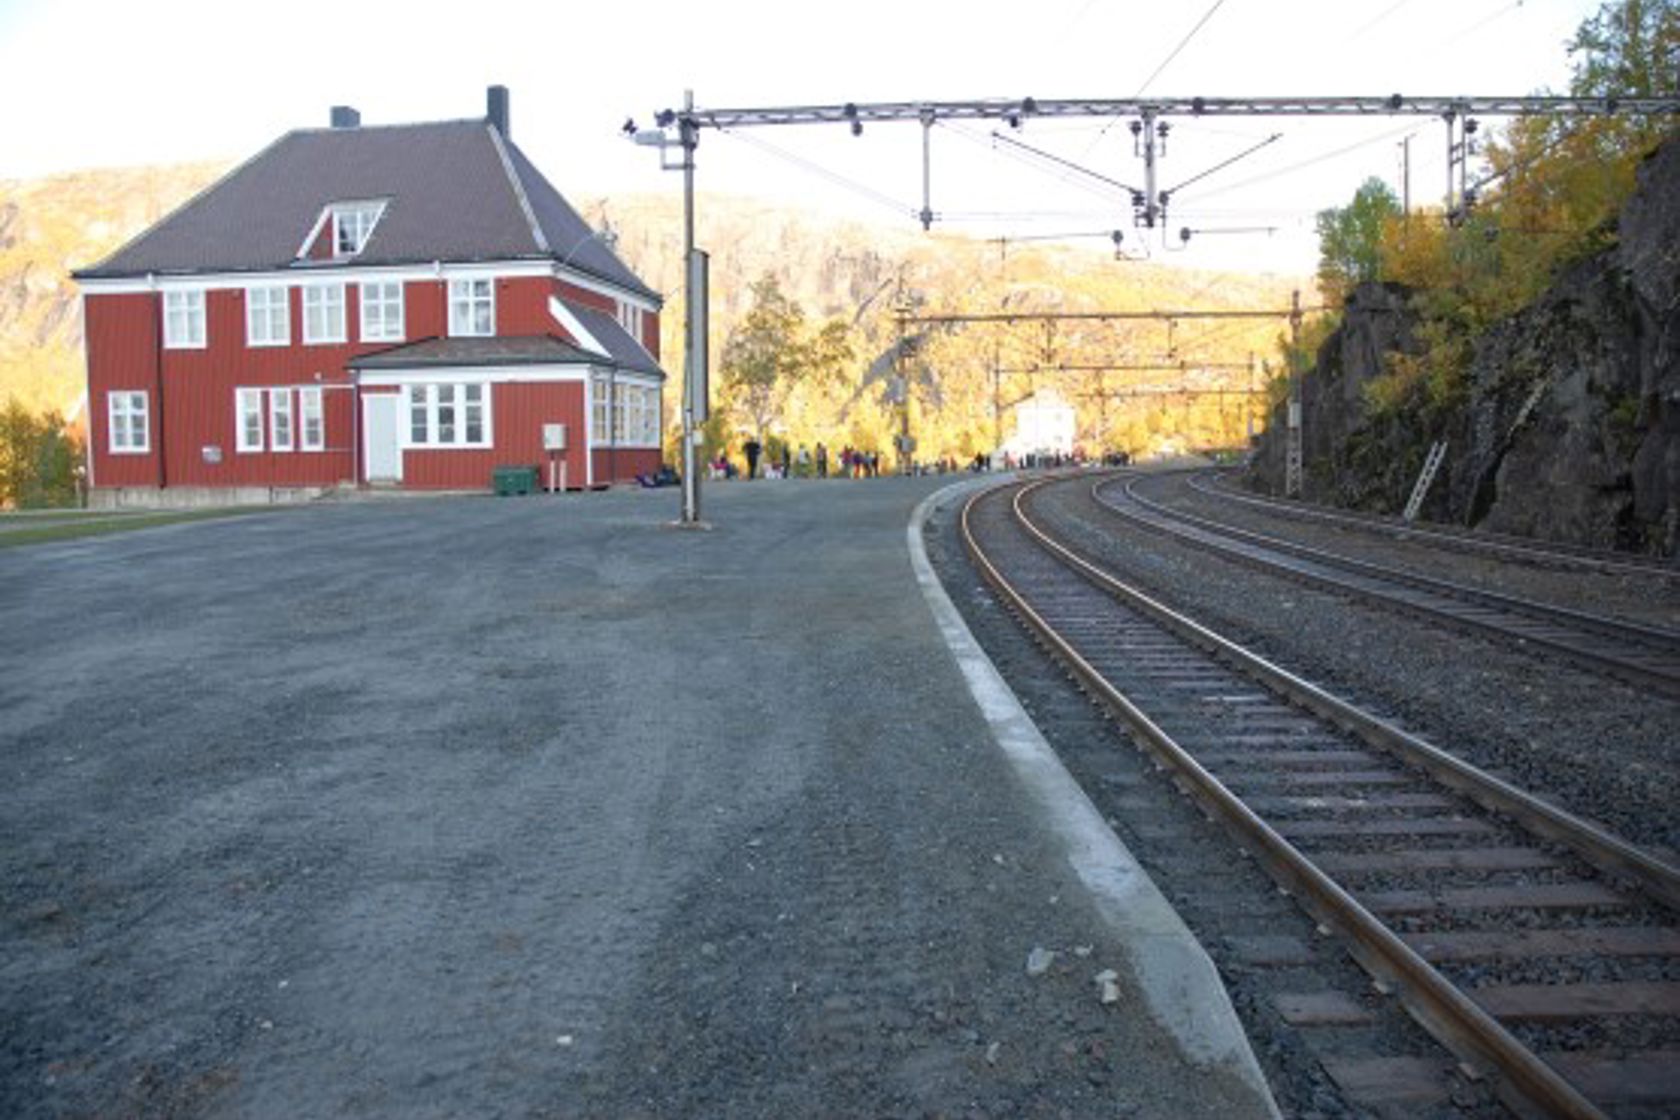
(1044, 425)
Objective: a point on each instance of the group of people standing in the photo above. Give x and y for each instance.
(851, 462)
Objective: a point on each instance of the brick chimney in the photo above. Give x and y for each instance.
(345, 117)
(496, 108)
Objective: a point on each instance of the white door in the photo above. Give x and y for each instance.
(379, 437)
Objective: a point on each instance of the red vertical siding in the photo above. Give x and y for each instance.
(650, 333)
(518, 413)
(425, 309)
(193, 404)
(624, 463)
(201, 408)
(122, 353)
(586, 297)
(522, 306)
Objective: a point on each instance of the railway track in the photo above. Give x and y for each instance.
(1545, 554)
(1646, 656)
(1541, 951)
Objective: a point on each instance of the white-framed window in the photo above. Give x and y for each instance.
(280, 419)
(248, 404)
(419, 416)
(268, 316)
(130, 415)
(382, 311)
(183, 319)
(624, 412)
(312, 424)
(472, 307)
(352, 225)
(630, 318)
(648, 432)
(448, 415)
(323, 313)
(600, 406)
(475, 413)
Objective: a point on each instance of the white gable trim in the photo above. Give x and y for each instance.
(359, 273)
(518, 189)
(325, 273)
(314, 232)
(600, 287)
(479, 375)
(573, 326)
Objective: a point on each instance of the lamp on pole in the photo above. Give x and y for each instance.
(695, 395)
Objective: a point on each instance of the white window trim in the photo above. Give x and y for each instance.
(603, 427)
(276, 399)
(311, 399)
(338, 209)
(471, 301)
(629, 317)
(343, 335)
(354, 272)
(240, 444)
(196, 309)
(406, 427)
(125, 397)
(501, 375)
(381, 335)
(250, 316)
(573, 326)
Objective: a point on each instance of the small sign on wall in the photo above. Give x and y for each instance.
(554, 437)
(212, 453)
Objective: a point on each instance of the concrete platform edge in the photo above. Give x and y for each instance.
(1179, 980)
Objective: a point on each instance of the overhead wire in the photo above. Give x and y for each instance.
(1222, 164)
(1061, 176)
(1176, 51)
(826, 173)
(1384, 14)
(1303, 164)
(1471, 29)
(1067, 163)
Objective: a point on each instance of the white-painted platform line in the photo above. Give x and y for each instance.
(1174, 972)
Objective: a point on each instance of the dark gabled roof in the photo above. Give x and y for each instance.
(511, 350)
(627, 353)
(570, 239)
(518, 350)
(455, 194)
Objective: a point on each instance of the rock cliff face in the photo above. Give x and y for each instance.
(1572, 430)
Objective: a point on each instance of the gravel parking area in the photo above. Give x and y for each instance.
(531, 807)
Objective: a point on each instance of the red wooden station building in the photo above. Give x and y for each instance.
(405, 306)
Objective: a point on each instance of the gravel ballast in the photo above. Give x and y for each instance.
(1600, 748)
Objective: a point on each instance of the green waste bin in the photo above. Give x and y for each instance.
(513, 480)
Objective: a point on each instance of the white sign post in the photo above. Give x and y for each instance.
(554, 442)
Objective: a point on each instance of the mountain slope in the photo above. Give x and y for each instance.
(832, 268)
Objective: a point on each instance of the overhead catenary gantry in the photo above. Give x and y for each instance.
(1150, 125)
(1150, 121)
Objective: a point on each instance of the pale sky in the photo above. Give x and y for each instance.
(94, 84)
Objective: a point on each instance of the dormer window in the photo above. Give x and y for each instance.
(352, 225)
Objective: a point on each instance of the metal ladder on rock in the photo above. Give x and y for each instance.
(1431, 464)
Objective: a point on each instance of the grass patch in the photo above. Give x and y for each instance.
(41, 528)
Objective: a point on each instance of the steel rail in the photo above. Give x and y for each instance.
(1542, 553)
(1543, 613)
(1602, 624)
(1598, 847)
(1440, 1006)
